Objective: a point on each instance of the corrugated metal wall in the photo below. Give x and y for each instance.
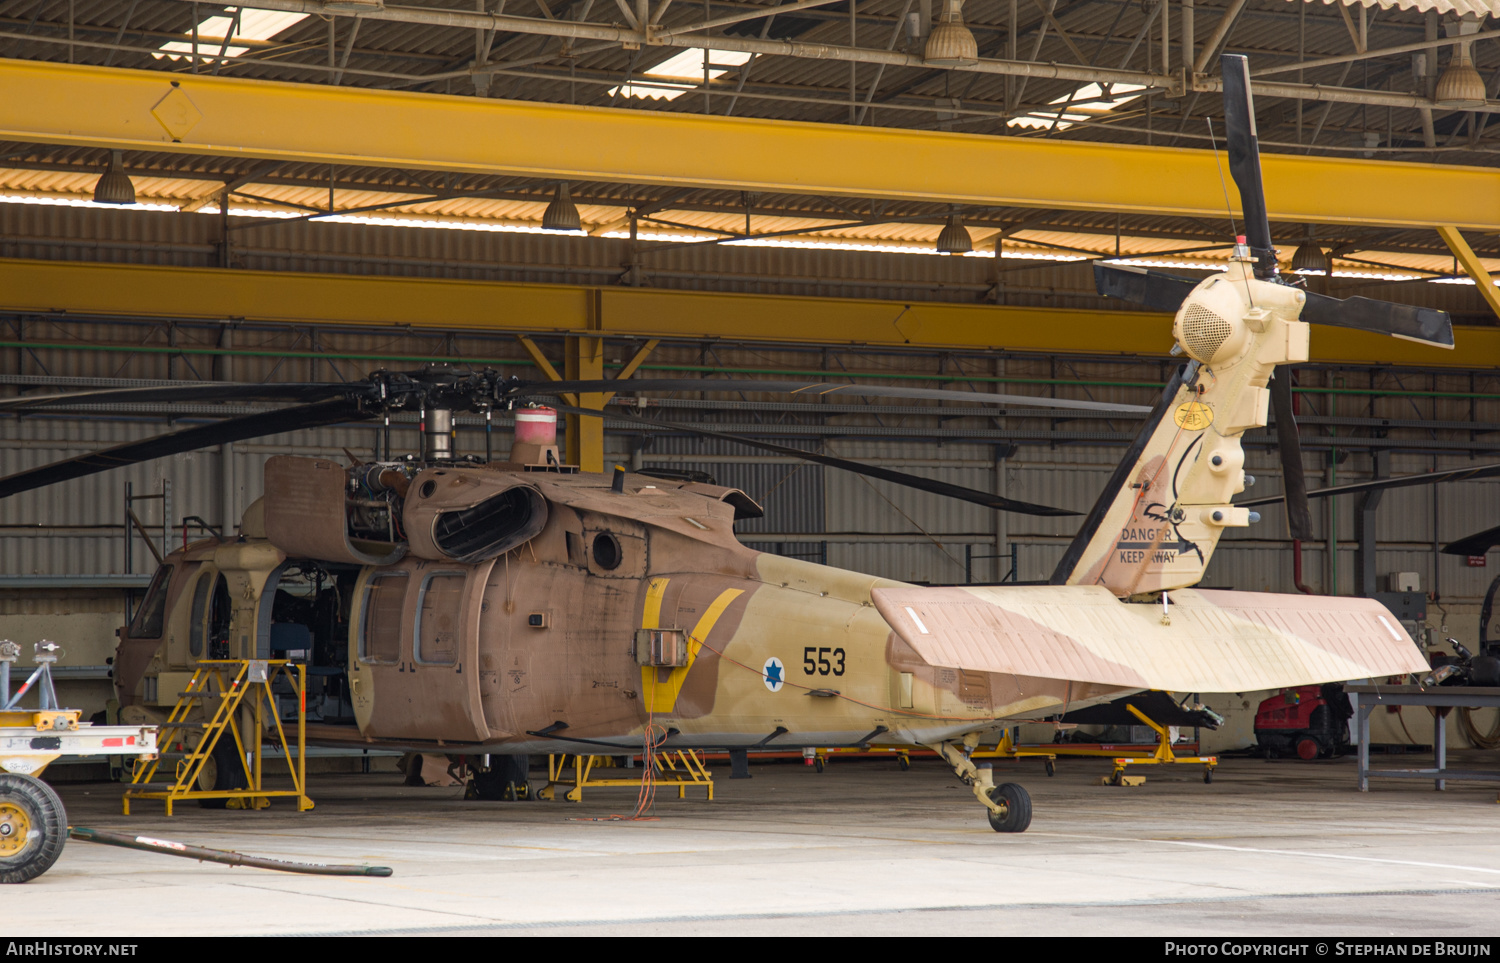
(151, 237)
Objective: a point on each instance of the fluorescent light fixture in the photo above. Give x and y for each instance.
(1085, 103)
(254, 25)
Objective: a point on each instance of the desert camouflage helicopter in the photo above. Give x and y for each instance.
(520, 606)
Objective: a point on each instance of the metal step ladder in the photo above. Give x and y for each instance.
(220, 688)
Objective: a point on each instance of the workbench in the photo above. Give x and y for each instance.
(1366, 698)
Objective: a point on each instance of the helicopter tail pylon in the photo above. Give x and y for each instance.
(1157, 523)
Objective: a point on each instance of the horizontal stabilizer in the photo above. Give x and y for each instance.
(1209, 641)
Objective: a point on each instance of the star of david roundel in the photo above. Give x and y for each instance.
(774, 674)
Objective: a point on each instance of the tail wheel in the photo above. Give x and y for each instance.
(33, 828)
(1308, 748)
(1015, 808)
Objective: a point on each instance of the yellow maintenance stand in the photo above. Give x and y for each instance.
(218, 690)
(678, 767)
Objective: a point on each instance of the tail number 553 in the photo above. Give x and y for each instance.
(816, 661)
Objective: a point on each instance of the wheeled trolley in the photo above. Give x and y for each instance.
(33, 822)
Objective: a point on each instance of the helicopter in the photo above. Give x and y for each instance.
(473, 606)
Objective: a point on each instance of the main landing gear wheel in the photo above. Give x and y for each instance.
(33, 828)
(1015, 805)
(222, 770)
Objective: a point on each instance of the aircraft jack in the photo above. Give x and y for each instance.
(248, 685)
(1162, 756)
(681, 768)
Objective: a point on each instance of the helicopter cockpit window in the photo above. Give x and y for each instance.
(607, 551)
(380, 629)
(211, 613)
(438, 619)
(147, 623)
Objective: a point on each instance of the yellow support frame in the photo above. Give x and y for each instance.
(679, 767)
(246, 678)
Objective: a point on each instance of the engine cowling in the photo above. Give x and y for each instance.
(469, 515)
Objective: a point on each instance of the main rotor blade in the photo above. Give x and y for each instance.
(1425, 325)
(821, 389)
(202, 436)
(1244, 161)
(1477, 544)
(1490, 470)
(305, 392)
(1298, 515)
(973, 495)
(1164, 292)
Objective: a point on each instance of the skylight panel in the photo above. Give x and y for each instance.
(688, 65)
(650, 91)
(684, 66)
(1085, 103)
(254, 25)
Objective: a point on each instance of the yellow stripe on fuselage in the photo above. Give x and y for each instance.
(661, 694)
(651, 617)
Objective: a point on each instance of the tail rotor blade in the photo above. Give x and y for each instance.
(1163, 292)
(1298, 516)
(1424, 325)
(1244, 161)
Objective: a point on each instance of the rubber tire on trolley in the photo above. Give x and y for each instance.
(1208, 776)
(1309, 748)
(904, 762)
(1017, 803)
(222, 771)
(34, 811)
(817, 763)
(1051, 768)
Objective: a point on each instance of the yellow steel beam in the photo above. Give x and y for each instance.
(634, 363)
(170, 292)
(540, 360)
(226, 116)
(585, 362)
(1471, 264)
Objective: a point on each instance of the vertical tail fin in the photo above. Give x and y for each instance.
(1157, 523)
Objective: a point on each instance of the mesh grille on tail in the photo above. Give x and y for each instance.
(1203, 331)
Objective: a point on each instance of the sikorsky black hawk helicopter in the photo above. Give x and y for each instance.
(521, 606)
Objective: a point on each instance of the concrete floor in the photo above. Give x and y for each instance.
(1269, 848)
